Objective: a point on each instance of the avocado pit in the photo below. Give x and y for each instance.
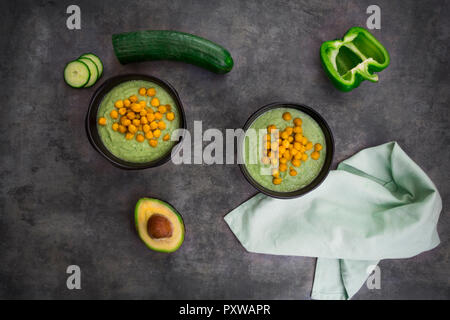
(159, 227)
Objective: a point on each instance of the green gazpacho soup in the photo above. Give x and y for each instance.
(132, 149)
(294, 174)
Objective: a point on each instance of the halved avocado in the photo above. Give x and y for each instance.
(159, 225)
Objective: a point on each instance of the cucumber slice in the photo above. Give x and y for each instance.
(96, 60)
(76, 74)
(92, 69)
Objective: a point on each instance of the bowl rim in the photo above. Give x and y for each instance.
(329, 140)
(91, 120)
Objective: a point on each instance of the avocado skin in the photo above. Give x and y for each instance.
(180, 220)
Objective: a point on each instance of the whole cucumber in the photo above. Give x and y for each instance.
(171, 45)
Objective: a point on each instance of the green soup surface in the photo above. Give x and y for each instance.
(132, 150)
(253, 150)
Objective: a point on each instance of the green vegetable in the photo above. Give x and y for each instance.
(96, 60)
(76, 74)
(93, 71)
(171, 45)
(354, 58)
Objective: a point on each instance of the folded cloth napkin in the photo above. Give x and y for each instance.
(378, 204)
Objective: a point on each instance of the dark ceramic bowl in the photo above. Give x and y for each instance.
(91, 121)
(328, 157)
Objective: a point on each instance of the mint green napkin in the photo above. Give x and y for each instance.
(378, 204)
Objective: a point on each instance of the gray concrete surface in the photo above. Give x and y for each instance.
(61, 203)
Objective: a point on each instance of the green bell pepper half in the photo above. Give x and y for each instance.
(354, 58)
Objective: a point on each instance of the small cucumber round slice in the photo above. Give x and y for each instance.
(92, 69)
(96, 60)
(76, 74)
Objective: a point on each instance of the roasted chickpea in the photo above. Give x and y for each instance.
(157, 133)
(148, 135)
(131, 115)
(154, 102)
(151, 92)
(136, 122)
(315, 155)
(162, 109)
(129, 136)
(140, 138)
(132, 128)
(298, 137)
(277, 181)
(170, 116)
(298, 122)
(126, 103)
(287, 116)
(158, 115)
(317, 147)
(115, 126)
(122, 129)
(304, 157)
(133, 98)
(161, 125)
(102, 121)
(283, 167)
(118, 104)
(122, 111)
(293, 172)
(166, 137)
(114, 114)
(296, 163)
(142, 91)
(153, 142)
(309, 146)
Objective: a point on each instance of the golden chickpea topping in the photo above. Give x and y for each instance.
(154, 102)
(126, 103)
(129, 136)
(282, 149)
(304, 140)
(161, 125)
(140, 138)
(162, 109)
(136, 107)
(317, 147)
(114, 114)
(157, 133)
(315, 155)
(297, 145)
(298, 129)
(153, 142)
(125, 122)
(146, 128)
(122, 111)
(151, 92)
(298, 156)
(283, 167)
(142, 91)
(158, 115)
(133, 98)
(144, 120)
(115, 126)
(118, 104)
(286, 143)
(290, 138)
(143, 112)
(270, 128)
(298, 122)
(296, 163)
(309, 146)
(304, 157)
(166, 137)
(132, 128)
(169, 107)
(149, 135)
(287, 116)
(150, 117)
(143, 104)
(277, 181)
(170, 116)
(122, 129)
(293, 151)
(293, 172)
(284, 135)
(283, 160)
(289, 130)
(102, 121)
(153, 125)
(298, 137)
(136, 122)
(131, 115)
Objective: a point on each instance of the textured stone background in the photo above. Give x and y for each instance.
(61, 203)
